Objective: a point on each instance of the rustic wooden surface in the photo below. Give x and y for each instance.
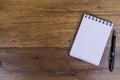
(36, 35)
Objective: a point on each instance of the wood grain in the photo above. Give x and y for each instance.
(48, 23)
(36, 35)
(52, 63)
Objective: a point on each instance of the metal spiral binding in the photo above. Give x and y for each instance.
(98, 19)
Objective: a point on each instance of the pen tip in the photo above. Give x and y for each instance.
(114, 33)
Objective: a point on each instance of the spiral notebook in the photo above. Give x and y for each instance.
(91, 39)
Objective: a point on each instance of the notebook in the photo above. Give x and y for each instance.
(91, 39)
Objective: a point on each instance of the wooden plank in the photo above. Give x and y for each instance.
(54, 63)
(62, 5)
(50, 23)
(49, 58)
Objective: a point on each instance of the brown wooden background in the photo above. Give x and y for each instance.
(36, 35)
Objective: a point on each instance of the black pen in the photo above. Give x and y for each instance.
(112, 51)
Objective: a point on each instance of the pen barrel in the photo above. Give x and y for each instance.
(112, 52)
(111, 63)
(113, 44)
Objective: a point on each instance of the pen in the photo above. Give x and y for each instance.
(112, 51)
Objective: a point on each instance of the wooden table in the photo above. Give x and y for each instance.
(36, 35)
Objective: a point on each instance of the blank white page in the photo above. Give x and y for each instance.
(91, 39)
